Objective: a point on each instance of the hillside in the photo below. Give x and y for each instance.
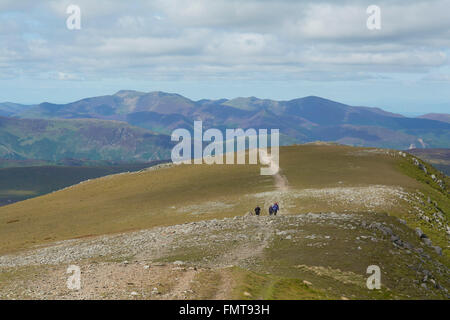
(20, 183)
(302, 120)
(444, 117)
(177, 232)
(10, 109)
(22, 139)
(439, 158)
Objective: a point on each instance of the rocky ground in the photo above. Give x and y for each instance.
(291, 255)
(164, 263)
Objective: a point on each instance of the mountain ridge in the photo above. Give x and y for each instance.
(93, 139)
(443, 117)
(303, 120)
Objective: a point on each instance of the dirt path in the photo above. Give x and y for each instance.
(248, 251)
(184, 283)
(226, 286)
(281, 182)
(239, 241)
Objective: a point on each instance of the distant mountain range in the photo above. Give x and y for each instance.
(92, 139)
(437, 116)
(300, 120)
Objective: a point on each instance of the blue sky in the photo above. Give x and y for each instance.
(225, 48)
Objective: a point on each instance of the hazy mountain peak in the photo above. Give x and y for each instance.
(250, 103)
(302, 120)
(165, 94)
(443, 117)
(127, 93)
(316, 99)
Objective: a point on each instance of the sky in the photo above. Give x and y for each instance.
(213, 49)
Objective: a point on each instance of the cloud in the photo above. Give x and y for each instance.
(224, 39)
(67, 76)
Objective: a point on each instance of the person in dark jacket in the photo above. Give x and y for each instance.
(270, 210)
(275, 208)
(257, 210)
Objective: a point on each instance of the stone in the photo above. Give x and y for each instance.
(419, 232)
(408, 245)
(438, 250)
(423, 168)
(386, 230)
(159, 264)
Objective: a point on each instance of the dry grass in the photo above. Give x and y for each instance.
(159, 197)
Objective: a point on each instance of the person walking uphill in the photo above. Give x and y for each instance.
(275, 208)
(257, 210)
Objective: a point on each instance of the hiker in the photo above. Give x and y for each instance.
(270, 210)
(257, 210)
(275, 208)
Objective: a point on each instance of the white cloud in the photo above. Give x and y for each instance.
(67, 76)
(224, 38)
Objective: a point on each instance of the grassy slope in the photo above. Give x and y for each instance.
(124, 202)
(188, 193)
(21, 183)
(145, 199)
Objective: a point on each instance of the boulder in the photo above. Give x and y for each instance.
(438, 250)
(419, 232)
